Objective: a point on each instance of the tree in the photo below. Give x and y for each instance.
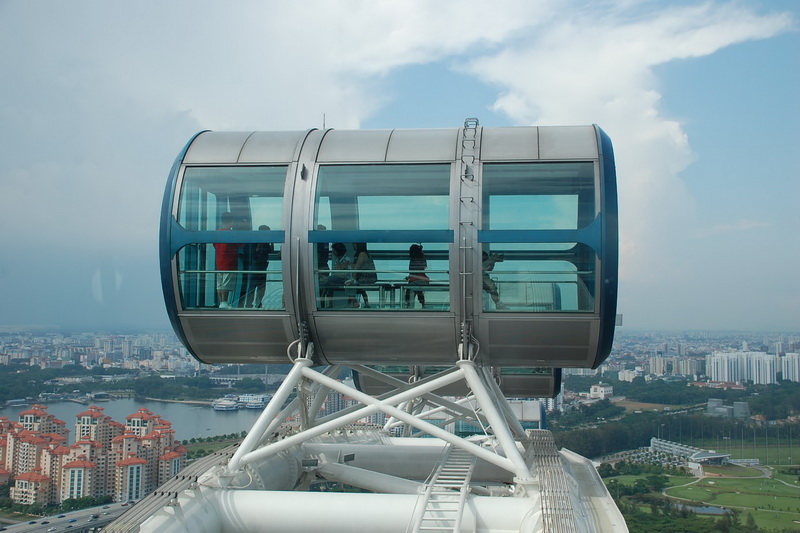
(657, 482)
(606, 470)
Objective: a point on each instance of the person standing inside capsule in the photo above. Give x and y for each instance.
(489, 262)
(227, 262)
(364, 268)
(258, 255)
(417, 264)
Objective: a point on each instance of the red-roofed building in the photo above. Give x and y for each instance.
(38, 419)
(94, 425)
(77, 478)
(131, 479)
(125, 460)
(142, 422)
(169, 465)
(31, 488)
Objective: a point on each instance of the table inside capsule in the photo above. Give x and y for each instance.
(408, 290)
(387, 293)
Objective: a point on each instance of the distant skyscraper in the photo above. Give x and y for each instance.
(658, 366)
(790, 366)
(736, 367)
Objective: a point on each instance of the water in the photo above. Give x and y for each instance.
(706, 509)
(188, 421)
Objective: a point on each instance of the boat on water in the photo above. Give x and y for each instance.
(254, 401)
(229, 402)
(17, 402)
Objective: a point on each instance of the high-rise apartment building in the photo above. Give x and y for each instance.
(790, 366)
(759, 368)
(126, 461)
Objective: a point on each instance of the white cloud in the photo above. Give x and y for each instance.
(595, 65)
(98, 98)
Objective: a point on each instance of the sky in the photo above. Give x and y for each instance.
(700, 98)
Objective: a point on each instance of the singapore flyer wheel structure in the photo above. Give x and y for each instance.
(414, 280)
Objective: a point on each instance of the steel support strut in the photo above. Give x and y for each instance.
(256, 447)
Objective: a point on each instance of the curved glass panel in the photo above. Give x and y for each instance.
(230, 276)
(253, 195)
(400, 214)
(543, 198)
(516, 277)
(383, 197)
(538, 196)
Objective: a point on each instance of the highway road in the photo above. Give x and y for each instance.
(91, 519)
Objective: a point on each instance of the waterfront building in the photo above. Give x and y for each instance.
(126, 461)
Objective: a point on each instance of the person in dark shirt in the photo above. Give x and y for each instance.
(417, 264)
(364, 268)
(258, 255)
(489, 261)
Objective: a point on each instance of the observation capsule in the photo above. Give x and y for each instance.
(394, 247)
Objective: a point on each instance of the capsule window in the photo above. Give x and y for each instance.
(383, 197)
(538, 196)
(384, 252)
(249, 278)
(527, 269)
(253, 195)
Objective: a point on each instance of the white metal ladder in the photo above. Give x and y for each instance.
(445, 495)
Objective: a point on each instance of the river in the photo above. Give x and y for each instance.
(187, 420)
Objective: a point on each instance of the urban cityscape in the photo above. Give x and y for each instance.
(123, 460)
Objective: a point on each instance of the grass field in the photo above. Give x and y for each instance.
(210, 447)
(733, 471)
(773, 504)
(629, 480)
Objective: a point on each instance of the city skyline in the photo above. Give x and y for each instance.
(699, 99)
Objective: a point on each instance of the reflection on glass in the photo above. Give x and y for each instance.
(383, 197)
(253, 195)
(538, 276)
(561, 279)
(253, 281)
(382, 276)
(537, 196)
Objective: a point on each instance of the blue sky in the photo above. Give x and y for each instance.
(699, 98)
